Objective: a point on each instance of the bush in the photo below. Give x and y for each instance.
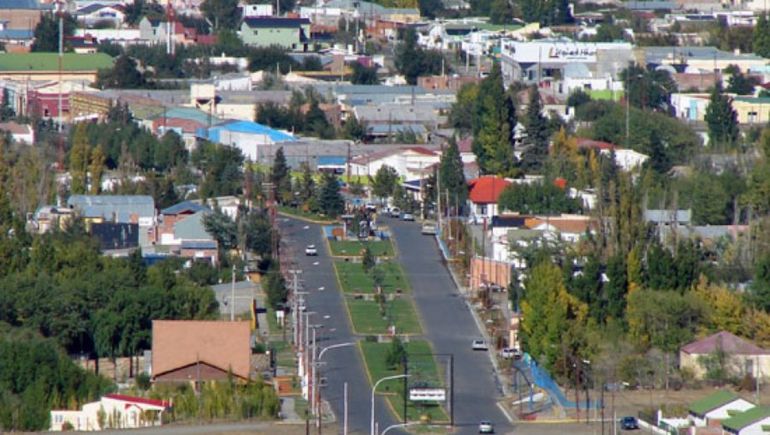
(143, 381)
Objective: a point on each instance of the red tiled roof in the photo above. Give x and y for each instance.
(142, 400)
(486, 189)
(729, 343)
(585, 143)
(180, 343)
(465, 145)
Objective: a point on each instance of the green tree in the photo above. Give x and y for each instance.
(501, 12)
(47, 32)
(721, 119)
(384, 182)
(648, 89)
(492, 142)
(354, 129)
(462, 115)
(537, 198)
(79, 159)
(96, 168)
(123, 75)
(412, 61)
(6, 111)
(761, 36)
(330, 200)
(740, 83)
(368, 261)
(275, 287)
(316, 123)
(452, 174)
(307, 183)
(222, 13)
(364, 75)
(280, 176)
(538, 134)
(396, 355)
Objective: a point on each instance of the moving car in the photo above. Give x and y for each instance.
(429, 228)
(486, 427)
(395, 212)
(407, 217)
(629, 423)
(311, 250)
(479, 345)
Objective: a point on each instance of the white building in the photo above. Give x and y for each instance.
(535, 61)
(409, 163)
(113, 411)
(627, 159)
(261, 10)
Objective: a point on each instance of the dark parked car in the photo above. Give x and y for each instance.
(629, 423)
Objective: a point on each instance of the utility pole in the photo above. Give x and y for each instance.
(295, 305)
(60, 12)
(232, 297)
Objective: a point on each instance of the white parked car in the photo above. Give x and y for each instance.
(509, 352)
(479, 345)
(311, 250)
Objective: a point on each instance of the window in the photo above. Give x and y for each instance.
(752, 117)
(482, 209)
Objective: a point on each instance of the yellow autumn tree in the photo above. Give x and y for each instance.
(726, 309)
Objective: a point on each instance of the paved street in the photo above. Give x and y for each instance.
(344, 364)
(449, 325)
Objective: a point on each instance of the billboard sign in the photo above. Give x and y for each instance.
(427, 394)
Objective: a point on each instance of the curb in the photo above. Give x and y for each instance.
(479, 324)
(304, 219)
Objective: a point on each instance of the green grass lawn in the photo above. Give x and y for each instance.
(355, 280)
(422, 368)
(367, 319)
(304, 214)
(353, 248)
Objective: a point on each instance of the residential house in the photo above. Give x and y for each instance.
(408, 162)
(135, 209)
(248, 136)
(112, 411)
(696, 59)
(97, 14)
(626, 159)
(503, 246)
(229, 205)
(45, 66)
(671, 218)
(483, 194)
(49, 217)
(20, 133)
(22, 14)
(199, 350)
(745, 357)
(289, 33)
(259, 10)
(717, 406)
(16, 40)
(755, 421)
(569, 228)
(182, 231)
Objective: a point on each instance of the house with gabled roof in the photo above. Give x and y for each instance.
(409, 162)
(200, 350)
(743, 356)
(483, 194)
(753, 421)
(718, 406)
(118, 411)
(289, 33)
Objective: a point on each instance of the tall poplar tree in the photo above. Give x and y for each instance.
(761, 37)
(538, 134)
(452, 175)
(492, 142)
(79, 159)
(721, 119)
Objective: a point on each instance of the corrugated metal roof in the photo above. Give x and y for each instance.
(250, 127)
(119, 207)
(743, 419)
(712, 401)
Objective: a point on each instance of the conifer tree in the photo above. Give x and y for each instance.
(721, 119)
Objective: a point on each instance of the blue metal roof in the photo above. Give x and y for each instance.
(17, 34)
(332, 161)
(199, 244)
(249, 127)
(115, 208)
(183, 207)
(23, 4)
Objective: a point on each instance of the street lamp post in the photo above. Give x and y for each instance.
(374, 388)
(316, 397)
